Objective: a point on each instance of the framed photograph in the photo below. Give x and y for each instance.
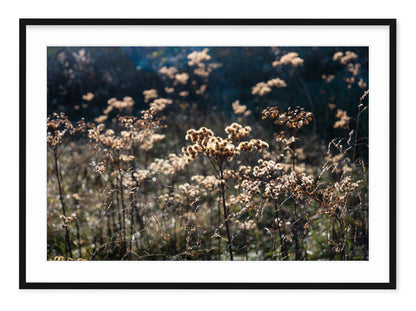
(207, 154)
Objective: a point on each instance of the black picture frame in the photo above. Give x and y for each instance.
(24, 23)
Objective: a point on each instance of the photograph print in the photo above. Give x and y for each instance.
(207, 153)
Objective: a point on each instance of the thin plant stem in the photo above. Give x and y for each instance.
(226, 214)
(61, 198)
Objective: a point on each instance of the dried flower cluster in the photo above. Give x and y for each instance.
(292, 118)
(344, 58)
(58, 126)
(182, 78)
(69, 220)
(212, 146)
(169, 72)
(198, 59)
(240, 109)
(291, 58)
(159, 104)
(127, 102)
(344, 120)
(276, 83)
(195, 58)
(263, 88)
(353, 69)
(334, 197)
(150, 95)
(236, 132)
(88, 97)
(269, 179)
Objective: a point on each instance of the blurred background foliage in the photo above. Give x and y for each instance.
(127, 71)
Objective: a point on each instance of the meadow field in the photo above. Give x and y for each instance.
(207, 153)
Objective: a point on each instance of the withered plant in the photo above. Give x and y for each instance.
(59, 128)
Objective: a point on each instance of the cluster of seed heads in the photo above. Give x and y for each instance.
(219, 148)
(58, 126)
(212, 146)
(292, 118)
(236, 132)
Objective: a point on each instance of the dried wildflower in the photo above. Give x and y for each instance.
(160, 104)
(58, 126)
(138, 133)
(202, 71)
(334, 197)
(344, 58)
(292, 118)
(68, 220)
(343, 121)
(169, 72)
(261, 89)
(88, 97)
(182, 78)
(270, 113)
(188, 190)
(245, 200)
(127, 102)
(213, 147)
(270, 179)
(253, 145)
(150, 95)
(134, 178)
(276, 83)
(240, 109)
(196, 57)
(266, 169)
(236, 132)
(290, 58)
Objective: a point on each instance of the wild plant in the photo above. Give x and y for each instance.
(59, 128)
(119, 152)
(220, 153)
